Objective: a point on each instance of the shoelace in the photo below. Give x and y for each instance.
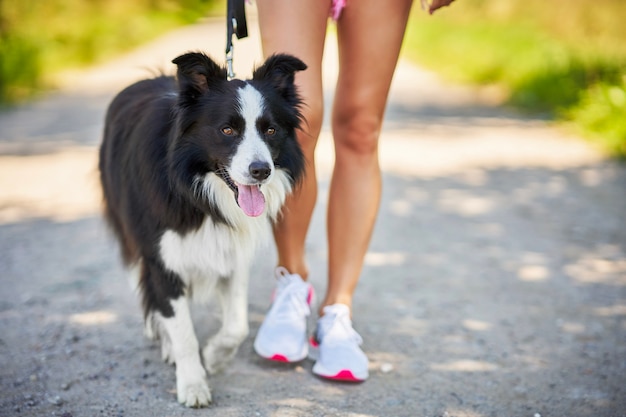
(327, 323)
(290, 296)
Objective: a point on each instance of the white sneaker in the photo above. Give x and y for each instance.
(339, 356)
(283, 334)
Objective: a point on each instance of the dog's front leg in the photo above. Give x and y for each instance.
(191, 384)
(221, 348)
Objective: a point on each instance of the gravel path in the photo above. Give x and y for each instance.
(495, 284)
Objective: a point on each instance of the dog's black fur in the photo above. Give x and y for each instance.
(163, 137)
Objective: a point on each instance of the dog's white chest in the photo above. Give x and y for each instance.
(212, 250)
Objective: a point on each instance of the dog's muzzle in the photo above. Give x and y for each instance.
(249, 196)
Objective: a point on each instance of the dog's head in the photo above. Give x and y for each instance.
(240, 132)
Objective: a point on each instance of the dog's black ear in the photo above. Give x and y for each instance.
(196, 73)
(280, 70)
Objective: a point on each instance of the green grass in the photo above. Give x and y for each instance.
(562, 58)
(39, 38)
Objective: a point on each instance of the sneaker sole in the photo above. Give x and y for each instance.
(280, 357)
(345, 375)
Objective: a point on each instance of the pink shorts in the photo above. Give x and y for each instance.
(336, 8)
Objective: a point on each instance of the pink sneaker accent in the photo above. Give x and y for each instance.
(279, 358)
(344, 375)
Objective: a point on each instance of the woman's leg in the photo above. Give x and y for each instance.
(370, 34)
(298, 28)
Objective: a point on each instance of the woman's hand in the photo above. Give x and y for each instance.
(435, 4)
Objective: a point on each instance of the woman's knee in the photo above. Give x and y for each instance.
(357, 133)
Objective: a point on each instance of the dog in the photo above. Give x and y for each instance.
(194, 168)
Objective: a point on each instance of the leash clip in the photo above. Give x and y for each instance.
(235, 25)
(229, 64)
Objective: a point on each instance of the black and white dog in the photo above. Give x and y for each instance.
(193, 169)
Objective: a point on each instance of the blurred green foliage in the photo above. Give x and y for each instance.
(563, 58)
(41, 37)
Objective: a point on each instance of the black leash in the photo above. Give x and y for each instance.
(235, 25)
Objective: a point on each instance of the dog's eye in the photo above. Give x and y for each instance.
(228, 131)
(270, 131)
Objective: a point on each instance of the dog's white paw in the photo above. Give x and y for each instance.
(192, 388)
(194, 393)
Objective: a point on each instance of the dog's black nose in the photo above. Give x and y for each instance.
(260, 170)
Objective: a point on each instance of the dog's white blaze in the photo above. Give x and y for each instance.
(252, 147)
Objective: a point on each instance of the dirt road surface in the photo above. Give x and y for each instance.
(495, 284)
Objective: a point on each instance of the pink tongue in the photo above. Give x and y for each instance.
(251, 200)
